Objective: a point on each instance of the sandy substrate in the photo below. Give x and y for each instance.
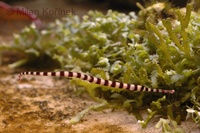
(46, 104)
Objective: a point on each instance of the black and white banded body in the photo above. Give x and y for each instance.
(95, 80)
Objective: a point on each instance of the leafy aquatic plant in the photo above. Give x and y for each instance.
(164, 54)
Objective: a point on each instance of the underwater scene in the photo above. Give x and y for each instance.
(106, 66)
